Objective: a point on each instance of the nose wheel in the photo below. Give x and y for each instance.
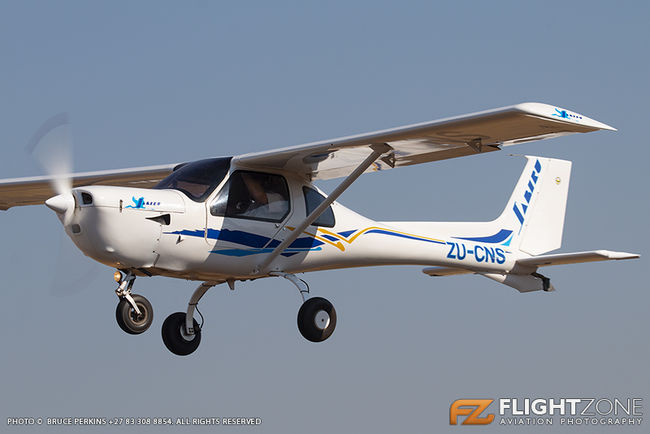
(129, 319)
(134, 313)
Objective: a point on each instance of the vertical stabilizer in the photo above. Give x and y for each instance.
(535, 211)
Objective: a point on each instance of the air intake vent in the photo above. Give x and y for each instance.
(86, 198)
(164, 219)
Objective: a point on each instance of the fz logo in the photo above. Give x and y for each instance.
(472, 408)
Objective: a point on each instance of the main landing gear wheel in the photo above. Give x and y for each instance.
(316, 319)
(129, 320)
(175, 335)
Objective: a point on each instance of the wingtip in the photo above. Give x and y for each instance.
(618, 255)
(562, 114)
(599, 125)
(624, 255)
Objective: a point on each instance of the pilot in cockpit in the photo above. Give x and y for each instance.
(266, 199)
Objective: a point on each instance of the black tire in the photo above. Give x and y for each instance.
(129, 320)
(174, 338)
(313, 324)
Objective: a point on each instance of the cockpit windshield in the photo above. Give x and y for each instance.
(197, 179)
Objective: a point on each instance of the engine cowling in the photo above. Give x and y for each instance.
(121, 226)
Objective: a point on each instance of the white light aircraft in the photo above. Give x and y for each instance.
(223, 220)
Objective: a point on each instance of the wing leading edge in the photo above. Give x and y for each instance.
(442, 139)
(430, 141)
(36, 190)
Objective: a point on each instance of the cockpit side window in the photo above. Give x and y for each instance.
(197, 179)
(312, 199)
(253, 195)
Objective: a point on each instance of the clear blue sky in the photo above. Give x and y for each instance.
(157, 82)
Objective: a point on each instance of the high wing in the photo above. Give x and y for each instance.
(474, 133)
(36, 190)
(430, 141)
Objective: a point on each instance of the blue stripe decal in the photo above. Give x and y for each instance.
(189, 233)
(248, 252)
(496, 238)
(255, 244)
(305, 243)
(379, 231)
(240, 237)
(249, 239)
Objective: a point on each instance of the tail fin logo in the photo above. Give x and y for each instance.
(521, 208)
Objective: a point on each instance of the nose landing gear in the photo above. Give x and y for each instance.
(134, 313)
(129, 319)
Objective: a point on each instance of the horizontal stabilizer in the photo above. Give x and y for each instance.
(522, 283)
(575, 258)
(445, 271)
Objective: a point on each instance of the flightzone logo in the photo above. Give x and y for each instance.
(471, 409)
(548, 411)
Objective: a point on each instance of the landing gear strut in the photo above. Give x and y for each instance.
(317, 316)
(134, 313)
